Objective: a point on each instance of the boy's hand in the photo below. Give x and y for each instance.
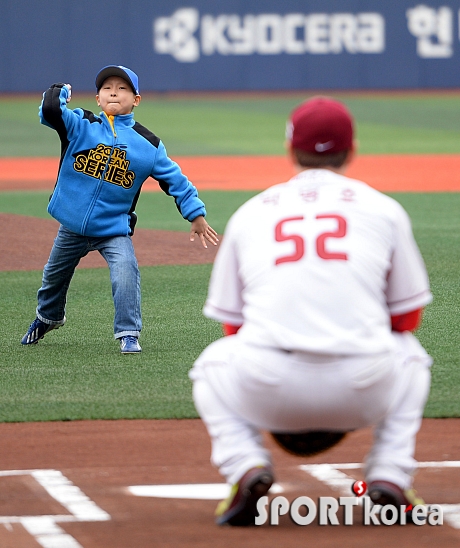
(204, 231)
(69, 87)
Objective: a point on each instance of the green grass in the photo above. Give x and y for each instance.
(195, 125)
(33, 204)
(155, 210)
(436, 225)
(77, 371)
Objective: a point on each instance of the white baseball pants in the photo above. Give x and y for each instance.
(240, 389)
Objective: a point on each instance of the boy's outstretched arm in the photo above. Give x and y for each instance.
(205, 232)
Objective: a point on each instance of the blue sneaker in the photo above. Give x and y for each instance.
(129, 345)
(37, 331)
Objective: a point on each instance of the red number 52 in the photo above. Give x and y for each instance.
(299, 243)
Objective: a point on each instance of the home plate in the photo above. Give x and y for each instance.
(198, 491)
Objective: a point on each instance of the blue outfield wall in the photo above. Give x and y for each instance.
(232, 44)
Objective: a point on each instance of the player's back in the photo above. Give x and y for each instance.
(313, 256)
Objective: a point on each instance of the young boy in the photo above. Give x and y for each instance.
(104, 161)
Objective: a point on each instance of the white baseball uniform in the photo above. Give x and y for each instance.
(313, 269)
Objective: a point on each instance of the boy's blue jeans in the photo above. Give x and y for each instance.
(65, 255)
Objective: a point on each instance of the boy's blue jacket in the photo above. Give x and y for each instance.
(102, 169)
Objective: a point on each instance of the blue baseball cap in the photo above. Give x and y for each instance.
(122, 72)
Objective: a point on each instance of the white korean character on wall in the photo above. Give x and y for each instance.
(433, 30)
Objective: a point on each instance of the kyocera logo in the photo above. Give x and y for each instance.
(185, 35)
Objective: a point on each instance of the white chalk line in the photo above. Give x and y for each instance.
(195, 491)
(45, 528)
(331, 475)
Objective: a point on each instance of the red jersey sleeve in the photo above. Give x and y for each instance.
(409, 321)
(230, 329)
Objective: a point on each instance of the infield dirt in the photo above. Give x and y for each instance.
(103, 458)
(387, 173)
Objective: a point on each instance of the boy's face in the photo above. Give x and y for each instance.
(117, 97)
